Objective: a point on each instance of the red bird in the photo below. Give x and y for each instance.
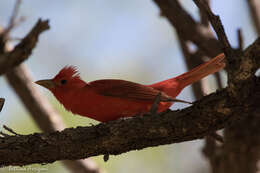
(110, 99)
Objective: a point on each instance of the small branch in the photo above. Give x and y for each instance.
(2, 101)
(211, 152)
(203, 17)
(13, 17)
(190, 29)
(217, 25)
(10, 130)
(24, 49)
(240, 68)
(254, 6)
(37, 104)
(21, 81)
(240, 40)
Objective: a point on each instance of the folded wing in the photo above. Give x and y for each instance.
(129, 90)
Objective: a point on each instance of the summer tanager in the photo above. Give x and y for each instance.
(110, 99)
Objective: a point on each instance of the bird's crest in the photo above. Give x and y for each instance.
(69, 72)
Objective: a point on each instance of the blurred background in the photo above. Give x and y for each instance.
(113, 39)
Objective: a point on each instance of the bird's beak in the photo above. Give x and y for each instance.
(48, 83)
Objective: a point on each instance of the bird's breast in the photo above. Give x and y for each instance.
(106, 108)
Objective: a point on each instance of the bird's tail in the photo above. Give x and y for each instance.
(201, 71)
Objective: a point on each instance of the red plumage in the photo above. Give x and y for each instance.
(110, 99)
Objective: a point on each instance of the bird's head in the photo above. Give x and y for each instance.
(67, 78)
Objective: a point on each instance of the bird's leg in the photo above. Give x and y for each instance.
(177, 100)
(154, 107)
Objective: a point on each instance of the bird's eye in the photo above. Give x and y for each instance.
(63, 81)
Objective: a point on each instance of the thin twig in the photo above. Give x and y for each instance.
(4, 134)
(217, 25)
(190, 29)
(10, 130)
(23, 49)
(2, 102)
(240, 40)
(254, 6)
(12, 21)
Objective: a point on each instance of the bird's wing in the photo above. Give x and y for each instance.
(127, 89)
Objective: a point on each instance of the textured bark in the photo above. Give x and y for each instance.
(240, 152)
(43, 113)
(116, 137)
(213, 112)
(235, 107)
(237, 154)
(22, 50)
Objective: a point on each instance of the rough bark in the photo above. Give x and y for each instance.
(43, 113)
(229, 107)
(213, 112)
(22, 50)
(240, 152)
(235, 155)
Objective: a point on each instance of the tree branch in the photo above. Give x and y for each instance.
(116, 137)
(43, 113)
(119, 136)
(188, 28)
(239, 153)
(24, 49)
(41, 110)
(213, 112)
(21, 81)
(239, 72)
(254, 6)
(217, 25)
(193, 59)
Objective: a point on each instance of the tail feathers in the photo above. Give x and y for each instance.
(203, 70)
